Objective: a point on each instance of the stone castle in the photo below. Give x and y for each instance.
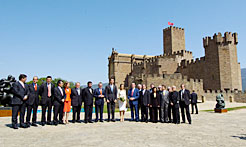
(217, 71)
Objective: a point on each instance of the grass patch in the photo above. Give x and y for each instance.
(229, 109)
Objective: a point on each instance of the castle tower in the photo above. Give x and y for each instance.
(222, 70)
(173, 40)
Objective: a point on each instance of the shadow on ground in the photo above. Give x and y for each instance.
(242, 136)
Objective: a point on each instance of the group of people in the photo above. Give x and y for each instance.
(162, 100)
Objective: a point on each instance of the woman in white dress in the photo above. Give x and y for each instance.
(122, 99)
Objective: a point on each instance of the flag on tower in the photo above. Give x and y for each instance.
(170, 23)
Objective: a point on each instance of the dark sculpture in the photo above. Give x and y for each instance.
(220, 101)
(5, 90)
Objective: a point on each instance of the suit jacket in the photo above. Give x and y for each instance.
(145, 98)
(155, 101)
(58, 96)
(175, 99)
(43, 92)
(193, 98)
(88, 96)
(135, 96)
(76, 99)
(33, 97)
(185, 97)
(164, 97)
(19, 93)
(111, 96)
(99, 100)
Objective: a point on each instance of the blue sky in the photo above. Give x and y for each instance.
(72, 39)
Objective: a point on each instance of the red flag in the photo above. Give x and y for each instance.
(170, 23)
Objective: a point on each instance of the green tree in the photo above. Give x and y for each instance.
(54, 81)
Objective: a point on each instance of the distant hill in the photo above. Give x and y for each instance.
(243, 74)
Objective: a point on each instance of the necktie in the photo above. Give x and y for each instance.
(49, 90)
(132, 91)
(36, 88)
(100, 91)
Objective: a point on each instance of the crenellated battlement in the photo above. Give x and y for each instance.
(172, 57)
(228, 38)
(175, 76)
(184, 63)
(218, 69)
(173, 28)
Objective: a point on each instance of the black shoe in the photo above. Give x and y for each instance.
(113, 120)
(23, 126)
(28, 125)
(34, 124)
(190, 122)
(73, 121)
(90, 122)
(43, 123)
(108, 120)
(137, 120)
(55, 123)
(49, 123)
(61, 123)
(146, 121)
(96, 120)
(86, 122)
(197, 113)
(78, 121)
(14, 126)
(101, 120)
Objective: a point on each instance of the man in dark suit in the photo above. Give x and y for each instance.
(170, 107)
(145, 100)
(88, 102)
(32, 102)
(59, 97)
(20, 91)
(76, 101)
(194, 102)
(99, 94)
(140, 88)
(185, 97)
(46, 92)
(111, 96)
(164, 105)
(150, 91)
(133, 95)
(174, 101)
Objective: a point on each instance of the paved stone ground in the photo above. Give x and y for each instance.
(208, 129)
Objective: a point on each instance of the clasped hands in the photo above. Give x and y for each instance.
(131, 98)
(25, 97)
(101, 96)
(114, 101)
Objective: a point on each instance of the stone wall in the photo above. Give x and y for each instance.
(173, 39)
(120, 65)
(233, 96)
(219, 68)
